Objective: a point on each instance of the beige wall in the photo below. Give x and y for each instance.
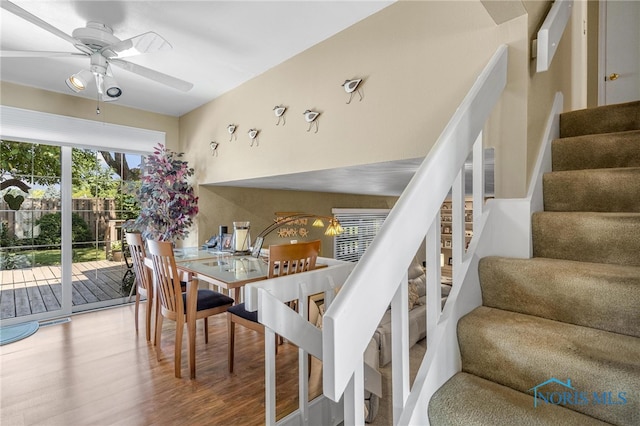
(567, 74)
(222, 205)
(418, 60)
(73, 106)
(593, 27)
(507, 128)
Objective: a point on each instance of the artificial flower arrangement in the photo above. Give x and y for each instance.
(166, 197)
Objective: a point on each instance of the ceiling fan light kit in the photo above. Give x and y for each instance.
(79, 81)
(96, 41)
(111, 88)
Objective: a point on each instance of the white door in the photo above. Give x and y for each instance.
(619, 67)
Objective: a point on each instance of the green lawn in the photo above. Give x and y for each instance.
(54, 257)
(21, 259)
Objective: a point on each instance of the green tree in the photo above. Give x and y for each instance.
(20, 167)
(51, 229)
(23, 165)
(90, 178)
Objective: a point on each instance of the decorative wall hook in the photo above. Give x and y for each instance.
(352, 86)
(231, 128)
(214, 148)
(253, 135)
(279, 111)
(311, 117)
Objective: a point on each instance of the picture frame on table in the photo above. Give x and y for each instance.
(225, 242)
(450, 261)
(447, 243)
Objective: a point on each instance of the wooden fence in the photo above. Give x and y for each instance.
(96, 212)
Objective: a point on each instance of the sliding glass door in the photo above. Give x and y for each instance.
(30, 231)
(102, 182)
(61, 213)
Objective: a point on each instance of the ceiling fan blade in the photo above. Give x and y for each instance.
(143, 43)
(165, 79)
(36, 54)
(18, 11)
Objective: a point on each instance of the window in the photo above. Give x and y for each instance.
(61, 205)
(360, 228)
(31, 227)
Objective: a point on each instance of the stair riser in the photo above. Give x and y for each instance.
(573, 311)
(604, 119)
(596, 151)
(603, 190)
(588, 237)
(522, 351)
(603, 298)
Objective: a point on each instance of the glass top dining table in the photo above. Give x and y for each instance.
(221, 269)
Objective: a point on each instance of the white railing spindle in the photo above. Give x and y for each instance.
(457, 227)
(400, 348)
(434, 275)
(352, 317)
(478, 181)
(270, 376)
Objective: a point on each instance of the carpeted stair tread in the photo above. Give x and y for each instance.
(567, 321)
(598, 295)
(603, 119)
(594, 190)
(587, 237)
(521, 351)
(607, 150)
(470, 400)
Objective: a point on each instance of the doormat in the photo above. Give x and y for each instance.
(13, 333)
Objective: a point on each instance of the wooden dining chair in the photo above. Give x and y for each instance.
(285, 259)
(143, 281)
(181, 307)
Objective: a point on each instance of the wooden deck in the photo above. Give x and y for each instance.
(36, 290)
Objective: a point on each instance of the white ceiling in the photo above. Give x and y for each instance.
(388, 178)
(217, 45)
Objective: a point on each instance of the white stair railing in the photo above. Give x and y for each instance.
(269, 298)
(544, 47)
(379, 279)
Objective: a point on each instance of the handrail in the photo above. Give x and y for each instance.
(550, 33)
(369, 287)
(267, 298)
(351, 320)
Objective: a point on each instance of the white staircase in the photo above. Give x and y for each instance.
(379, 280)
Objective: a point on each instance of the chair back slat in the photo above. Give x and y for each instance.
(138, 254)
(166, 276)
(287, 259)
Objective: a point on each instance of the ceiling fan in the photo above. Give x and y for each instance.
(97, 42)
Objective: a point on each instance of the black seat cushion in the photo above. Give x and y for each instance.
(240, 311)
(208, 299)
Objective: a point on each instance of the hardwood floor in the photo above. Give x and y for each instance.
(95, 370)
